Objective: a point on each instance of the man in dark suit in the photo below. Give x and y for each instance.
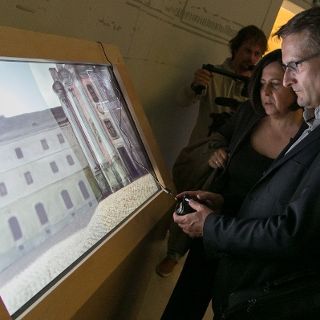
(269, 254)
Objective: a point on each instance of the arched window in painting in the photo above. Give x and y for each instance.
(41, 212)
(60, 138)
(28, 177)
(129, 165)
(70, 160)
(112, 131)
(19, 153)
(93, 94)
(15, 228)
(44, 144)
(54, 167)
(66, 199)
(84, 190)
(3, 189)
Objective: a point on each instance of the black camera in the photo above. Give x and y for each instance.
(183, 206)
(211, 68)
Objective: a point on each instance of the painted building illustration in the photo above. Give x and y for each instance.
(91, 101)
(45, 182)
(57, 164)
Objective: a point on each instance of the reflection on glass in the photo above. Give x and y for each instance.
(72, 168)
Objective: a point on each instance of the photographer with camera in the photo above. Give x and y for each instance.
(246, 48)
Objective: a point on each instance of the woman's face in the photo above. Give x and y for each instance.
(276, 99)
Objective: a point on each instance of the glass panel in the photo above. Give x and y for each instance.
(65, 129)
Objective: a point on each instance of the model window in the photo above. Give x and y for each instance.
(127, 160)
(54, 167)
(70, 188)
(15, 228)
(70, 160)
(41, 212)
(60, 138)
(84, 190)
(111, 129)
(66, 199)
(19, 153)
(92, 93)
(3, 189)
(44, 144)
(28, 177)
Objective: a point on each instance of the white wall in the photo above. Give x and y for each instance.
(163, 42)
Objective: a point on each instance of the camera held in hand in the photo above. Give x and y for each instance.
(211, 68)
(183, 206)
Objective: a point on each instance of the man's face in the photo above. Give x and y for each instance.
(304, 76)
(247, 55)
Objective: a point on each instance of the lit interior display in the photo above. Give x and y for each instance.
(72, 169)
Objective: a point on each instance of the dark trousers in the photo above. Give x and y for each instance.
(193, 291)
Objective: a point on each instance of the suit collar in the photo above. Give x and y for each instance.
(314, 135)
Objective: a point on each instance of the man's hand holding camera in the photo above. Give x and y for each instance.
(203, 203)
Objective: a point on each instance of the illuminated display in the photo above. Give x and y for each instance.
(73, 168)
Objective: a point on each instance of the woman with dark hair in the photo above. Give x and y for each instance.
(257, 133)
(245, 147)
(246, 49)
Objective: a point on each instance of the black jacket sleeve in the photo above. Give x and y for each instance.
(290, 229)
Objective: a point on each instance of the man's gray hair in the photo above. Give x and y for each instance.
(307, 21)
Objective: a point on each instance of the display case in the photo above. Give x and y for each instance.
(81, 179)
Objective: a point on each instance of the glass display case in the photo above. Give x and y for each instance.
(77, 161)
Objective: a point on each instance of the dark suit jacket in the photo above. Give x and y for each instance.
(276, 233)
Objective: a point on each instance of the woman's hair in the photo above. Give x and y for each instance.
(248, 33)
(255, 80)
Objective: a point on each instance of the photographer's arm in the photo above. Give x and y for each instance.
(187, 97)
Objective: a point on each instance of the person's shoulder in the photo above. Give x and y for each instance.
(246, 109)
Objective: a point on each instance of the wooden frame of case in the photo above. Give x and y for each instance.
(67, 296)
